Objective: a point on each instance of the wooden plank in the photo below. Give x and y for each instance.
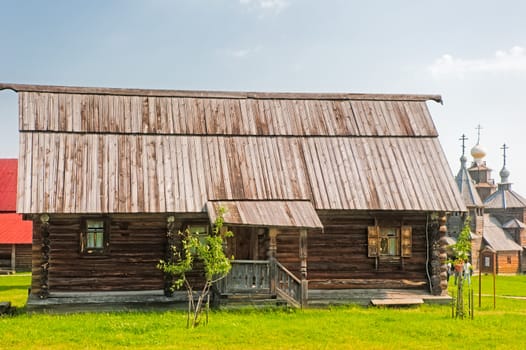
(324, 147)
(180, 176)
(153, 176)
(223, 156)
(25, 178)
(397, 302)
(25, 108)
(168, 179)
(161, 183)
(197, 174)
(134, 175)
(139, 169)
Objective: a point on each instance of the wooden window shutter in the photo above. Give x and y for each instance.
(373, 241)
(407, 241)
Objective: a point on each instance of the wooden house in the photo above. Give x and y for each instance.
(15, 233)
(500, 253)
(326, 193)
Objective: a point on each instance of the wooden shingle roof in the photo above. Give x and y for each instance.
(466, 187)
(91, 150)
(496, 237)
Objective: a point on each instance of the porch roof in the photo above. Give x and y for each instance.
(286, 213)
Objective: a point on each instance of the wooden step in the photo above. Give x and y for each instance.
(397, 302)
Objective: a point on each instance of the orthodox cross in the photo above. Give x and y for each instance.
(478, 133)
(463, 138)
(504, 148)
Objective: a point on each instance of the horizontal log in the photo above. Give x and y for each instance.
(364, 283)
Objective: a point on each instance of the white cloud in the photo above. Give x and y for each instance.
(513, 60)
(242, 52)
(273, 6)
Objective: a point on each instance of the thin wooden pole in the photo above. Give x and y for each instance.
(273, 232)
(494, 280)
(303, 267)
(480, 278)
(13, 257)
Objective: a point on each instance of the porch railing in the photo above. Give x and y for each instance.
(288, 286)
(246, 277)
(255, 277)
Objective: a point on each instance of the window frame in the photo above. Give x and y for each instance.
(402, 239)
(83, 239)
(200, 235)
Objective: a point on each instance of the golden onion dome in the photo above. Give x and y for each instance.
(478, 152)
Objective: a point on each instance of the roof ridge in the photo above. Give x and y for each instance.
(218, 94)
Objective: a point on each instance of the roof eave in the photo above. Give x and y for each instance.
(218, 94)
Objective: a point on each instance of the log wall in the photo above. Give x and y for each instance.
(337, 257)
(136, 244)
(508, 263)
(22, 257)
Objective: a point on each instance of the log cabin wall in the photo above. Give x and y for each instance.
(36, 257)
(508, 263)
(5, 256)
(337, 257)
(340, 252)
(22, 256)
(136, 244)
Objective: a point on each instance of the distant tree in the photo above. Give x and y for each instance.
(209, 255)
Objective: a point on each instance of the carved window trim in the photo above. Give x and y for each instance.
(389, 241)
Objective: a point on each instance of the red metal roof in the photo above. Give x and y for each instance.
(14, 230)
(8, 176)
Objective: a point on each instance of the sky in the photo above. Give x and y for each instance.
(472, 53)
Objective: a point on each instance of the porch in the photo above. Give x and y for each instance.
(253, 281)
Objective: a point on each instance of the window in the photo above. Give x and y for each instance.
(487, 261)
(508, 259)
(200, 230)
(94, 236)
(389, 241)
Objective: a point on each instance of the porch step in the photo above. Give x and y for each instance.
(397, 302)
(251, 303)
(236, 301)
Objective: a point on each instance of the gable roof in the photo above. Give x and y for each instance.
(92, 150)
(496, 237)
(8, 184)
(504, 198)
(466, 186)
(514, 223)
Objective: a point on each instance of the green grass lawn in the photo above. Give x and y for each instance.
(350, 327)
(14, 288)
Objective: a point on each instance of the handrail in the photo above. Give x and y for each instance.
(288, 286)
(251, 262)
(249, 277)
(288, 272)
